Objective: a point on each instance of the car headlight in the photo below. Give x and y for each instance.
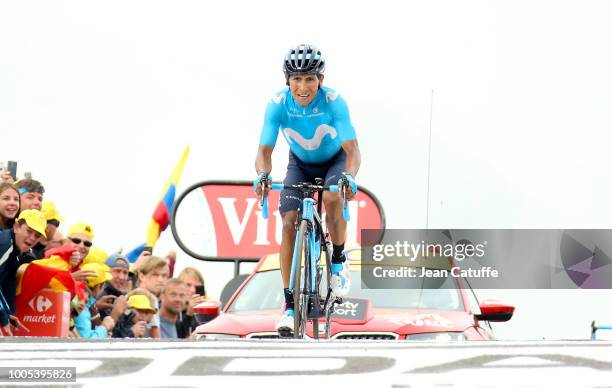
(439, 337)
(207, 336)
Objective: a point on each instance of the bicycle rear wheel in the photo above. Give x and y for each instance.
(300, 282)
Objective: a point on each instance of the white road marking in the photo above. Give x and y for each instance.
(523, 361)
(352, 363)
(283, 364)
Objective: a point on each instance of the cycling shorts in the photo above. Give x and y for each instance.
(300, 172)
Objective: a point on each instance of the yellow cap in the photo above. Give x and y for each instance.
(95, 255)
(141, 302)
(50, 211)
(82, 228)
(35, 219)
(102, 273)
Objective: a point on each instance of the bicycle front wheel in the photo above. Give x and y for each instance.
(300, 297)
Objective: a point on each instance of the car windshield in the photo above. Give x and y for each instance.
(264, 292)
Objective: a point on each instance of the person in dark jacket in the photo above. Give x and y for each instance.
(118, 285)
(133, 323)
(196, 294)
(27, 231)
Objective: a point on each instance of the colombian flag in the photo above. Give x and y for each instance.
(161, 216)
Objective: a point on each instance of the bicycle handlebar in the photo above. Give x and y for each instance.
(282, 186)
(301, 187)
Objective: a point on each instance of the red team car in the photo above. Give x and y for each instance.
(446, 314)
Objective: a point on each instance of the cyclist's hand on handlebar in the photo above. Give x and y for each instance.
(347, 182)
(263, 177)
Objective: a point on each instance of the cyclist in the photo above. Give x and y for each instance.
(316, 124)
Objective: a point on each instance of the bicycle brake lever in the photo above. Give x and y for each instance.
(264, 201)
(345, 210)
(264, 208)
(346, 214)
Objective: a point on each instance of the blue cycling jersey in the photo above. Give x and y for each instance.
(315, 133)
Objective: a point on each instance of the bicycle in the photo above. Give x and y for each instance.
(310, 242)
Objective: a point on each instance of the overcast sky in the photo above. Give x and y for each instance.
(98, 100)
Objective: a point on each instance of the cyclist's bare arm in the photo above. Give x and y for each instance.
(263, 162)
(353, 157)
(353, 160)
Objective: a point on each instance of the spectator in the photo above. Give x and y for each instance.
(31, 192)
(78, 303)
(196, 293)
(28, 229)
(73, 251)
(118, 285)
(81, 235)
(119, 266)
(152, 275)
(57, 241)
(95, 255)
(53, 218)
(142, 291)
(53, 222)
(76, 307)
(172, 301)
(61, 267)
(80, 238)
(83, 322)
(9, 205)
(194, 281)
(133, 323)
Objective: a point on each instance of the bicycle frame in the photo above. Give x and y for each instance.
(314, 220)
(310, 219)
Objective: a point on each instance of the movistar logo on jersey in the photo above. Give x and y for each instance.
(313, 143)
